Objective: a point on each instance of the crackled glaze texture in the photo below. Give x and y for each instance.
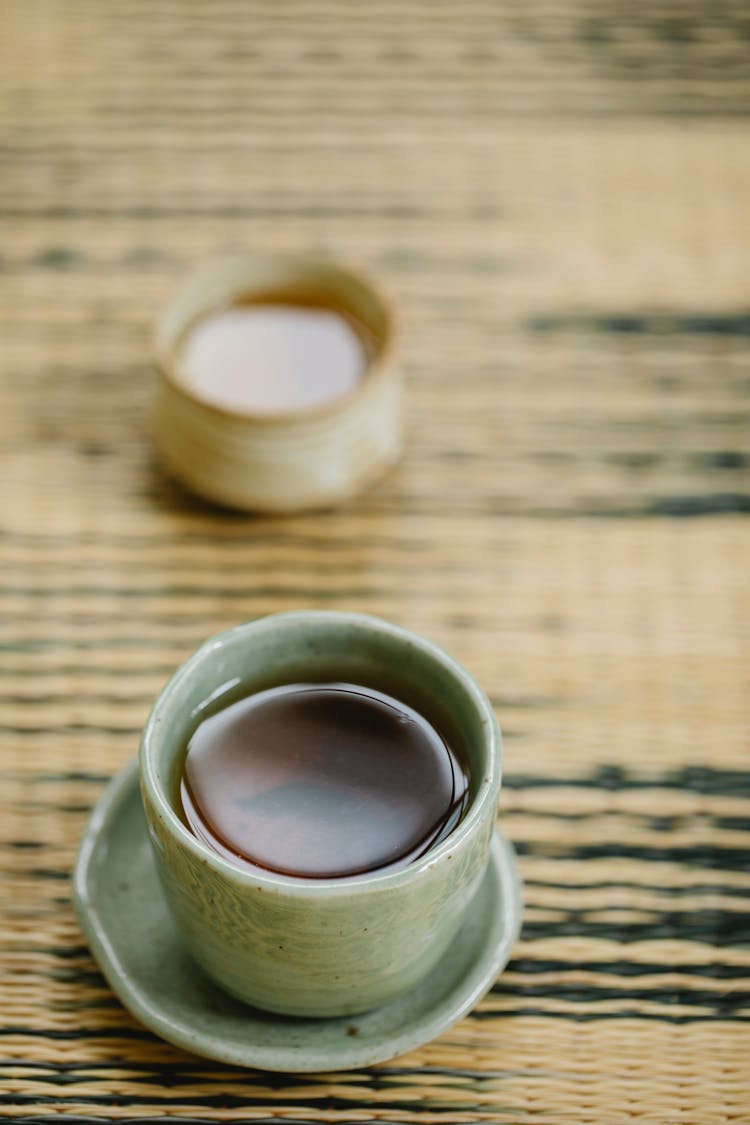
(334, 947)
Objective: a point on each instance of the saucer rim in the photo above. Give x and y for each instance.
(291, 1059)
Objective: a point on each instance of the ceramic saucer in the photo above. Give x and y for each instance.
(121, 909)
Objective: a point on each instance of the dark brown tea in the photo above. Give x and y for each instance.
(321, 781)
(274, 357)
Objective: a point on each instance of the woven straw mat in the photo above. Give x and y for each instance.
(556, 197)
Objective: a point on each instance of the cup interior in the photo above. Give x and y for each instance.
(269, 278)
(318, 647)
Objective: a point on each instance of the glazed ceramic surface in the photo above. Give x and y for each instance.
(287, 462)
(313, 947)
(122, 910)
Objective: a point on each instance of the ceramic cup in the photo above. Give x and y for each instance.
(312, 458)
(319, 947)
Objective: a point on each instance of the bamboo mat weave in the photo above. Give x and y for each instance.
(555, 194)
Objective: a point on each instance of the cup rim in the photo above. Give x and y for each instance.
(166, 341)
(297, 886)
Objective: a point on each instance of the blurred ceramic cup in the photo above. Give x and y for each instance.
(320, 947)
(310, 457)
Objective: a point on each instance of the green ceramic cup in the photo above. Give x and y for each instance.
(319, 947)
